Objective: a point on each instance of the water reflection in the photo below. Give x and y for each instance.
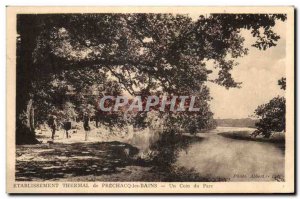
(218, 157)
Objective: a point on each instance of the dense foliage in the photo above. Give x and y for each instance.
(61, 56)
(272, 114)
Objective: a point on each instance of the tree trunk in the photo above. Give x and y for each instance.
(28, 28)
(97, 121)
(30, 115)
(25, 133)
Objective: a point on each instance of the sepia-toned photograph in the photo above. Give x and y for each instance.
(150, 100)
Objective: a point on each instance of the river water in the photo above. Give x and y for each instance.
(235, 160)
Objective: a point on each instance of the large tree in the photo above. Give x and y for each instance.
(271, 115)
(145, 53)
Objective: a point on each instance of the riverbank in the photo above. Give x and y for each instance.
(278, 139)
(205, 157)
(100, 161)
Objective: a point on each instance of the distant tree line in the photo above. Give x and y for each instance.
(244, 122)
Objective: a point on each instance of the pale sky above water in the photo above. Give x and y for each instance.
(259, 72)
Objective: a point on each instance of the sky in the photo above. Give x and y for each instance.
(259, 72)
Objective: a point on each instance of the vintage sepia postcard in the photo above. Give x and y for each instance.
(150, 100)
